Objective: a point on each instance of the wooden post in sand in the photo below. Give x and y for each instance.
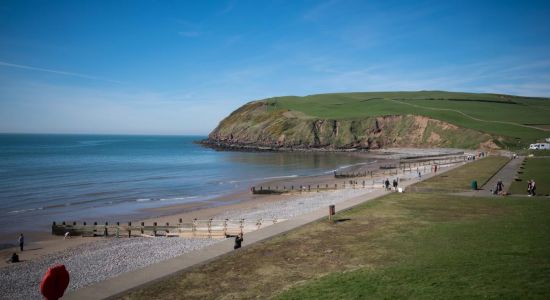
(129, 229)
(209, 228)
(225, 227)
(331, 211)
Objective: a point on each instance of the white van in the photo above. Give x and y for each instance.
(540, 146)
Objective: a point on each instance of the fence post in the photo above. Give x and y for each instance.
(210, 228)
(225, 226)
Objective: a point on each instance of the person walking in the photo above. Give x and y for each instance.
(238, 240)
(499, 188)
(533, 187)
(395, 184)
(529, 188)
(21, 241)
(387, 184)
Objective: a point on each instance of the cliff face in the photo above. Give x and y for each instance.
(258, 126)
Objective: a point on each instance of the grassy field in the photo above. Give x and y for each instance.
(460, 179)
(459, 248)
(538, 152)
(537, 169)
(495, 114)
(412, 245)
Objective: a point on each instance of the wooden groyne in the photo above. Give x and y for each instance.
(408, 165)
(210, 228)
(361, 179)
(283, 189)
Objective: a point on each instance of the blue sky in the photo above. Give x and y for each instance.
(162, 67)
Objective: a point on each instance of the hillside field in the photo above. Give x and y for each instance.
(520, 120)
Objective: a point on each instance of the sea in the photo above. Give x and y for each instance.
(58, 177)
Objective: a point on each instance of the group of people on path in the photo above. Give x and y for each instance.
(394, 184)
(531, 187)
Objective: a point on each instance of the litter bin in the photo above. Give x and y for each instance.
(474, 184)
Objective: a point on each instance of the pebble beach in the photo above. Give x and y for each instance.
(105, 258)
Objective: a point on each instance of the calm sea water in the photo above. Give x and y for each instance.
(45, 178)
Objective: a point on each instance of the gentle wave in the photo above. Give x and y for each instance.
(24, 210)
(49, 207)
(349, 166)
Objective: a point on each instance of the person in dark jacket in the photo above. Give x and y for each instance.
(238, 240)
(21, 241)
(14, 258)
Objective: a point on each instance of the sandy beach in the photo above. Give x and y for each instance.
(90, 260)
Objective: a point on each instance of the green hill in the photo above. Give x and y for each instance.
(386, 119)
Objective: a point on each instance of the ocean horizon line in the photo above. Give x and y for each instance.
(102, 134)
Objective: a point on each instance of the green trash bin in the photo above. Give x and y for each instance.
(474, 184)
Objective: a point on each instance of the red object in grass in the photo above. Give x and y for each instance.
(54, 283)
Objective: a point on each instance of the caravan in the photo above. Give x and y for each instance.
(539, 146)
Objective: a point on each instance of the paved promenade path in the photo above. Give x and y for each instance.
(118, 286)
(507, 174)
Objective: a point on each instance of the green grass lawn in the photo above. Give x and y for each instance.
(537, 169)
(423, 246)
(539, 152)
(501, 251)
(460, 179)
(435, 104)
